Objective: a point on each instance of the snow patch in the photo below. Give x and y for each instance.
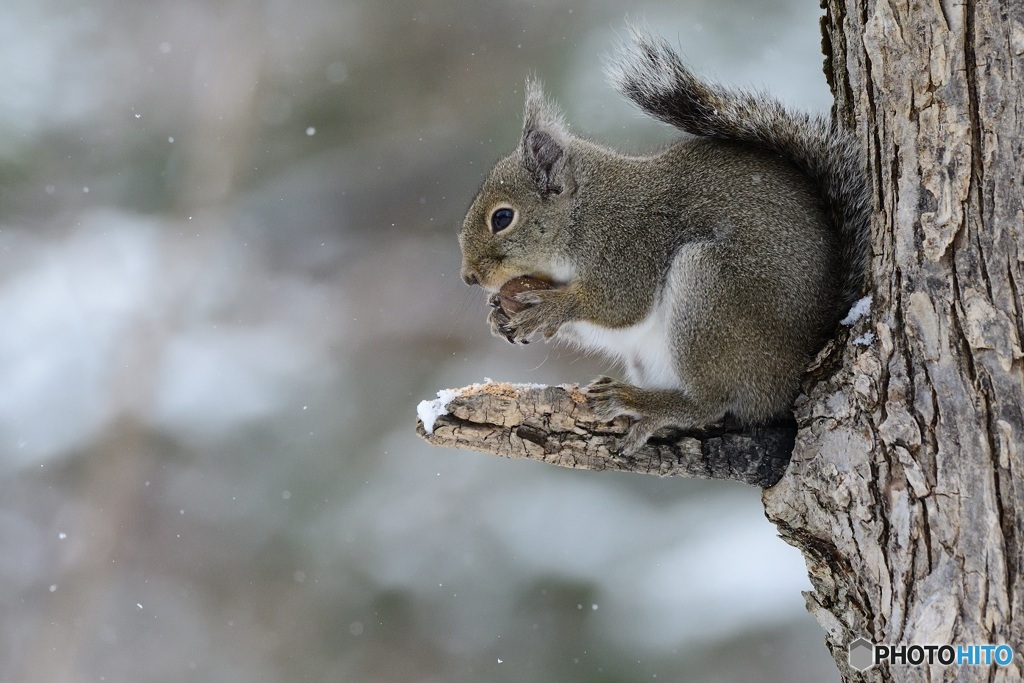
(866, 339)
(861, 309)
(429, 411)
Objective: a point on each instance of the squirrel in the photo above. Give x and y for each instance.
(713, 270)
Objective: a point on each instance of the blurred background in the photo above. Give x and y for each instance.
(228, 274)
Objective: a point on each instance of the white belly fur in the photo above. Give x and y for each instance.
(643, 349)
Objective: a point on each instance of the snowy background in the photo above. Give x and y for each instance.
(228, 274)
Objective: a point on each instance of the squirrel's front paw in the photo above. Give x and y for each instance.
(545, 314)
(498, 321)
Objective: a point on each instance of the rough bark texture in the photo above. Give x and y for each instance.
(905, 491)
(555, 425)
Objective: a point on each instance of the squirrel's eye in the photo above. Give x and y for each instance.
(501, 219)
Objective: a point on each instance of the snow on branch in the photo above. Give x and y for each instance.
(553, 424)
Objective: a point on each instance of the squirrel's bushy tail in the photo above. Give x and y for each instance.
(651, 74)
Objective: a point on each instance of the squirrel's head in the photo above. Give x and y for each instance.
(516, 224)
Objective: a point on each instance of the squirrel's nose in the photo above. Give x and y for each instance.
(469, 276)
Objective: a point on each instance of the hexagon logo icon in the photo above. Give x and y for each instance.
(862, 654)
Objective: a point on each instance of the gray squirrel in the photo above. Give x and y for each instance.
(713, 270)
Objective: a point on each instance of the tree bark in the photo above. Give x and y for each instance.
(905, 491)
(556, 426)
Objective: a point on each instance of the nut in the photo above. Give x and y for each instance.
(525, 283)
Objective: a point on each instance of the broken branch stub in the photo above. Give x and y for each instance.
(554, 424)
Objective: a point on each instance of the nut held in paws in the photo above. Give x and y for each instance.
(525, 283)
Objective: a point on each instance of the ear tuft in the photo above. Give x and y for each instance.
(545, 135)
(540, 113)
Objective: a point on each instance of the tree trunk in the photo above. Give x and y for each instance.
(906, 488)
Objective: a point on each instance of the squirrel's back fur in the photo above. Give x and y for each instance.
(650, 73)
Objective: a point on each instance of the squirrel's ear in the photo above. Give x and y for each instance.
(543, 147)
